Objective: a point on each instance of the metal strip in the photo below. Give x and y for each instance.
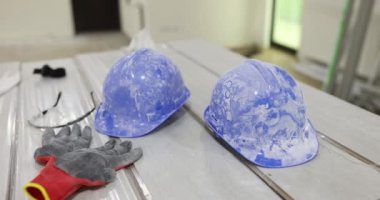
(140, 187)
(349, 151)
(13, 152)
(268, 181)
(322, 135)
(357, 40)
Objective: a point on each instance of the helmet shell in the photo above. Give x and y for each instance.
(258, 109)
(140, 92)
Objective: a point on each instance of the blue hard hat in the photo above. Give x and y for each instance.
(258, 109)
(140, 92)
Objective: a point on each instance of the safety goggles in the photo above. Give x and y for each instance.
(44, 112)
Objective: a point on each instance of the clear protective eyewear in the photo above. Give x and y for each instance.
(31, 122)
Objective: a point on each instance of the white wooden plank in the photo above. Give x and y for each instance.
(8, 107)
(36, 94)
(345, 123)
(93, 72)
(9, 76)
(182, 161)
(332, 175)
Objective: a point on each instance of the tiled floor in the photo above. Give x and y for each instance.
(58, 48)
(287, 61)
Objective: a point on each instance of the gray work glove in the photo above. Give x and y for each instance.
(65, 174)
(65, 141)
(99, 163)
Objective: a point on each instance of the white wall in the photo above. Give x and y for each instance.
(30, 19)
(232, 23)
(320, 27)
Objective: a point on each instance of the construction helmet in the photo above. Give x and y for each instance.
(140, 92)
(258, 109)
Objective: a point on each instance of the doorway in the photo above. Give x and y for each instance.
(286, 24)
(96, 15)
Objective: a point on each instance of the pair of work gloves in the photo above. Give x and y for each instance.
(70, 164)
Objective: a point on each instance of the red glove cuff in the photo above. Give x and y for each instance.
(54, 183)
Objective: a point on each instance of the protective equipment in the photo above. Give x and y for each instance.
(258, 109)
(47, 71)
(65, 174)
(65, 141)
(42, 114)
(140, 92)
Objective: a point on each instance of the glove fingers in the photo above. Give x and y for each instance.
(65, 131)
(126, 159)
(86, 133)
(119, 149)
(47, 136)
(110, 144)
(75, 131)
(123, 147)
(107, 146)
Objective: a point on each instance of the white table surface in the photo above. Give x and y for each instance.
(181, 159)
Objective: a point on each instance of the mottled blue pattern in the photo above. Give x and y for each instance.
(140, 92)
(258, 109)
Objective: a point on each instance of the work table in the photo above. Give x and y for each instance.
(182, 159)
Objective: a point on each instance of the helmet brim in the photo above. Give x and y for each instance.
(301, 153)
(113, 125)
